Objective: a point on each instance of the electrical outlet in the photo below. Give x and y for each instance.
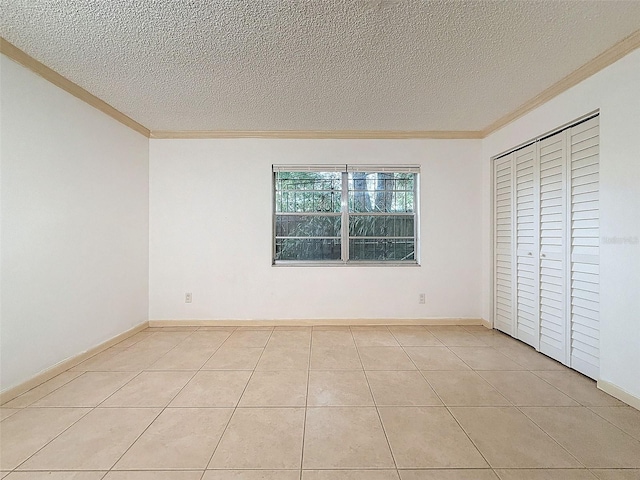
(187, 297)
(421, 298)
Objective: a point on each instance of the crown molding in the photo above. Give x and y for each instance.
(316, 134)
(606, 58)
(18, 56)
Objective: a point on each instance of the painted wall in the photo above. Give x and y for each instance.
(616, 92)
(74, 230)
(211, 227)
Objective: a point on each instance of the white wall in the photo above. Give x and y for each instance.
(211, 227)
(616, 92)
(74, 246)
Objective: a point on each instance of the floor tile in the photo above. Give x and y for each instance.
(180, 438)
(455, 336)
(579, 387)
(477, 329)
(163, 340)
(154, 475)
(526, 356)
(248, 338)
(183, 357)
(449, 474)
(261, 438)
(401, 388)
(95, 442)
(97, 362)
(373, 337)
(385, 358)
(464, 388)
(290, 338)
(611, 474)
(508, 439)
(625, 418)
(219, 329)
(339, 388)
(251, 475)
(545, 474)
(334, 358)
(55, 476)
(234, 358)
(591, 439)
(485, 358)
(132, 340)
(254, 327)
(173, 328)
(87, 390)
(428, 437)
(414, 337)
(276, 389)
(284, 358)
(203, 338)
(435, 358)
(333, 338)
(525, 389)
(133, 359)
(497, 339)
(24, 433)
(149, 389)
(213, 388)
(335, 328)
(7, 412)
(349, 475)
(345, 437)
(41, 390)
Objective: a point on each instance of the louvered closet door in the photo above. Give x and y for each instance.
(553, 211)
(526, 245)
(584, 216)
(503, 228)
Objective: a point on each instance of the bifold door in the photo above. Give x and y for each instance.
(546, 228)
(503, 231)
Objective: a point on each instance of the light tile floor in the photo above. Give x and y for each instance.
(322, 403)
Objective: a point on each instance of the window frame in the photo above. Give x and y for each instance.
(345, 171)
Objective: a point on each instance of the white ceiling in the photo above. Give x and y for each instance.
(316, 64)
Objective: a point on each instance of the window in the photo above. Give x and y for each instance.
(345, 214)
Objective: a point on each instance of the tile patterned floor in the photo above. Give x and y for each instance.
(322, 403)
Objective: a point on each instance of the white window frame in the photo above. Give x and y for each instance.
(344, 170)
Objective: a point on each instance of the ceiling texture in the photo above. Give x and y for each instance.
(393, 65)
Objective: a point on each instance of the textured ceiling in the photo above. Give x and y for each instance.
(315, 64)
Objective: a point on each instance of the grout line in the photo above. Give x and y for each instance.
(162, 409)
(520, 411)
(549, 435)
(306, 403)
(445, 405)
(238, 402)
(591, 409)
(195, 372)
(375, 405)
(80, 373)
(47, 443)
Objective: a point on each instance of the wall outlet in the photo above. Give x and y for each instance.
(187, 297)
(421, 298)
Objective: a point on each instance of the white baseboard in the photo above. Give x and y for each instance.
(48, 374)
(319, 322)
(619, 393)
